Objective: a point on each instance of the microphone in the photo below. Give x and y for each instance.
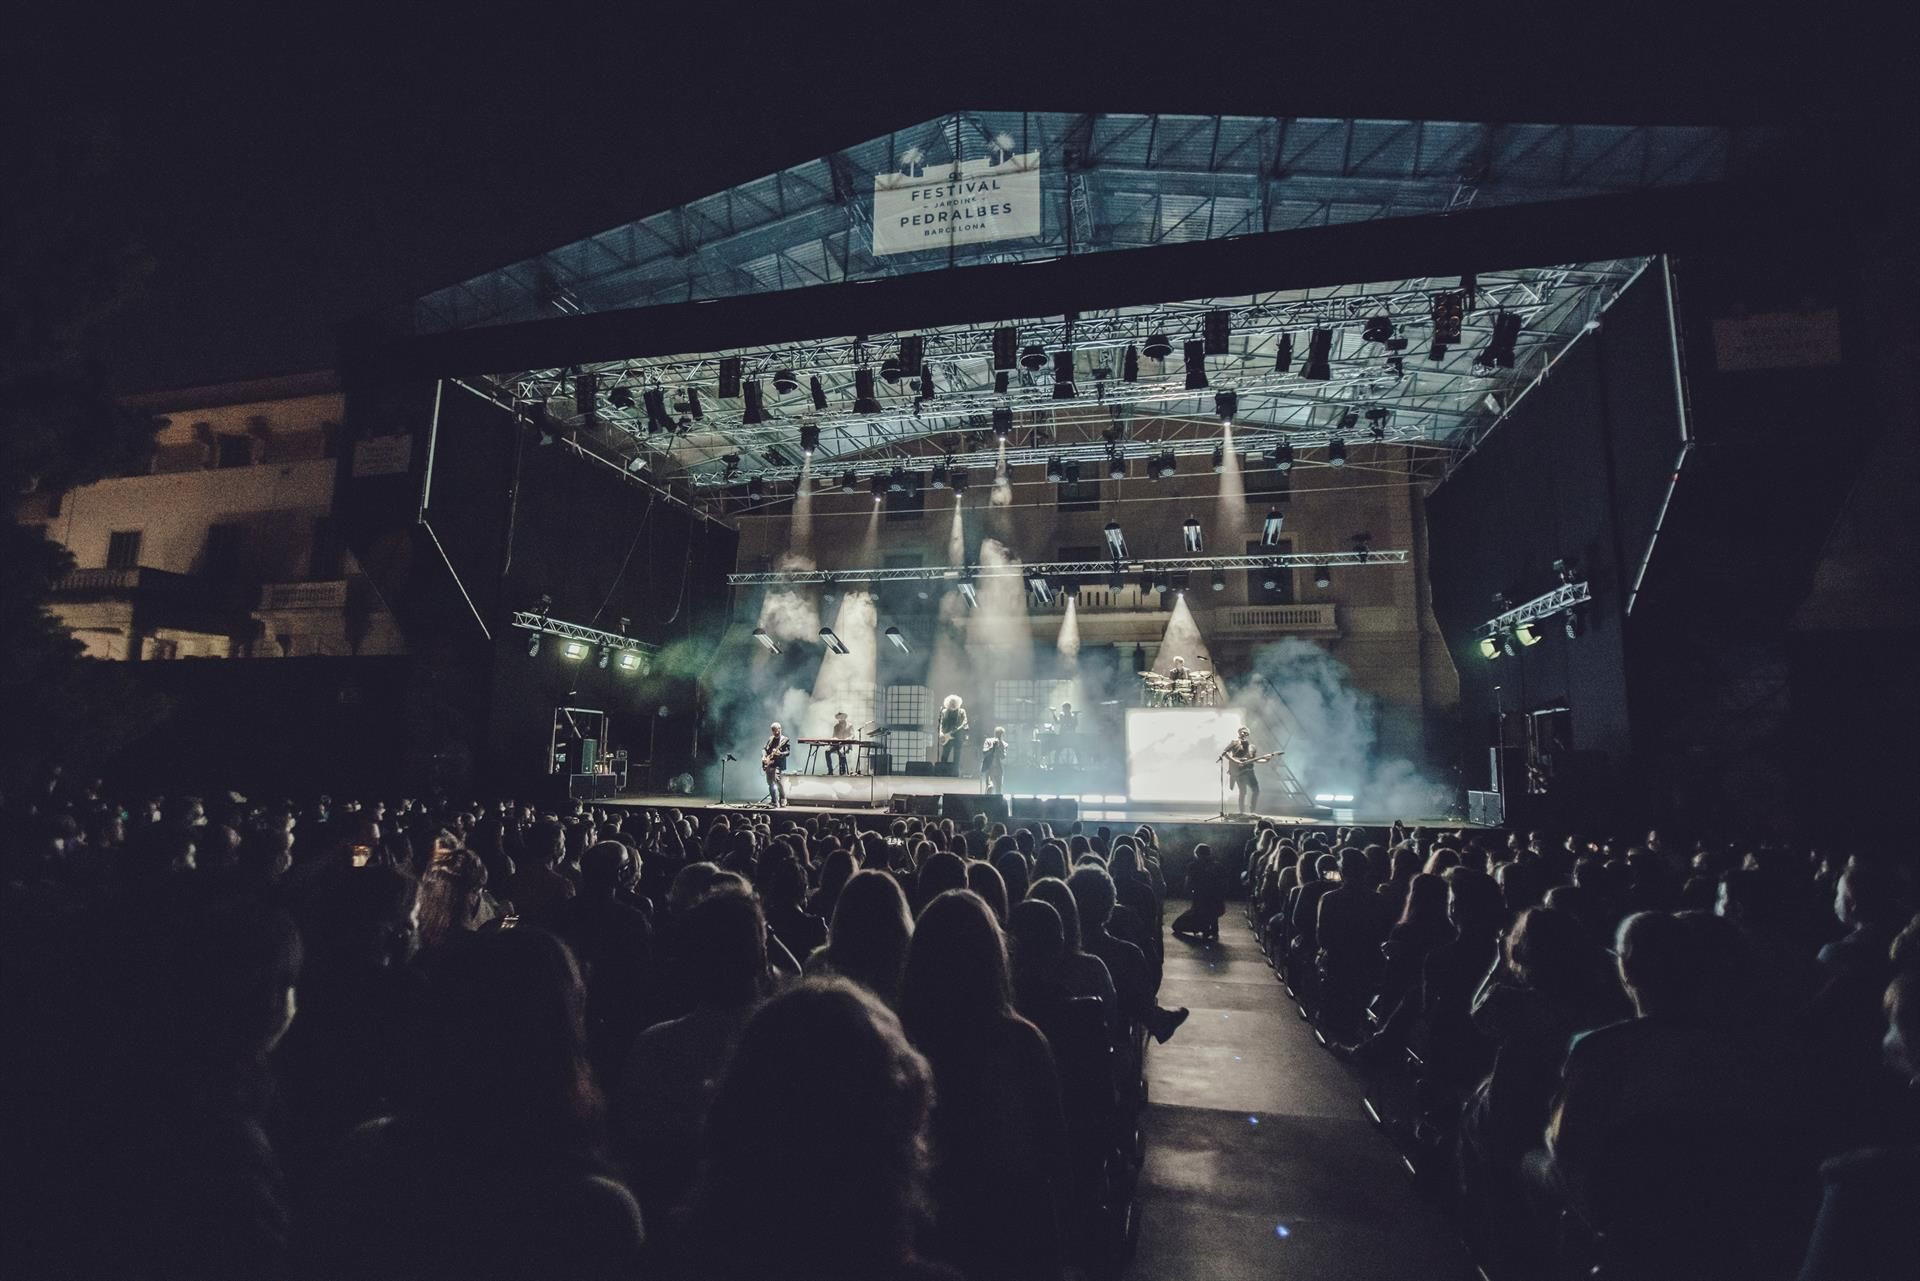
(730, 757)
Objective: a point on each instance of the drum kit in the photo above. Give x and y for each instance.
(1180, 689)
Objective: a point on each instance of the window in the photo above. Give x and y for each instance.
(222, 559)
(1080, 496)
(907, 716)
(233, 451)
(1258, 593)
(123, 549)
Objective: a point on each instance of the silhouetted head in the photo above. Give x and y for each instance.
(983, 880)
(1054, 892)
(723, 945)
(940, 873)
(869, 935)
(1093, 892)
(956, 970)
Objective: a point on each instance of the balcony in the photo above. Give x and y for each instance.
(1261, 620)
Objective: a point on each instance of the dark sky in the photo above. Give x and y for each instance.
(283, 180)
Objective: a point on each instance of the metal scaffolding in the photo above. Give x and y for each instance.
(1079, 570)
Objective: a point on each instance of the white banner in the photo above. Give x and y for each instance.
(996, 197)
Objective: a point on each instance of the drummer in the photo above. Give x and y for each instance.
(1180, 681)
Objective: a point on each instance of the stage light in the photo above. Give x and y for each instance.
(621, 397)
(786, 382)
(1181, 581)
(1499, 351)
(899, 641)
(1378, 329)
(1271, 579)
(1070, 471)
(958, 479)
(1116, 541)
(1529, 634)
(754, 410)
(1191, 536)
(1165, 465)
(629, 660)
(809, 438)
(864, 401)
(1283, 456)
(1195, 359)
(937, 478)
(1319, 355)
(1270, 532)
(1063, 375)
(1214, 330)
(1033, 357)
(574, 650)
(1489, 648)
(1567, 571)
(897, 481)
(1448, 308)
(819, 390)
(730, 367)
(879, 487)
(833, 642)
(848, 479)
(969, 593)
(1437, 352)
(1116, 467)
(729, 466)
(1219, 580)
(890, 370)
(636, 464)
(1571, 624)
(1219, 458)
(1225, 405)
(1323, 577)
(1054, 476)
(1283, 354)
(757, 488)
(1002, 424)
(1377, 423)
(1041, 589)
(606, 656)
(1157, 347)
(1336, 452)
(1130, 364)
(533, 645)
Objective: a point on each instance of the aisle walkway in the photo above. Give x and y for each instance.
(1261, 1163)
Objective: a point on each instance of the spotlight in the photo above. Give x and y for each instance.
(1002, 424)
(636, 464)
(621, 397)
(1165, 465)
(890, 370)
(1157, 347)
(1181, 581)
(1226, 404)
(1349, 420)
(958, 479)
(1041, 589)
(757, 488)
(1116, 541)
(1283, 354)
(832, 642)
(1283, 456)
(848, 479)
(1214, 330)
(1336, 452)
(864, 401)
(1489, 648)
(1054, 475)
(1567, 571)
(574, 650)
(1319, 355)
(937, 479)
(809, 438)
(533, 645)
(730, 367)
(819, 391)
(1529, 634)
(969, 593)
(1271, 580)
(1063, 375)
(899, 641)
(729, 466)
(1499, 352)
(1377, 423)
(606, 656)
(1448, 308)
(1270, 531)
(897, 481)
(1070, 472)
(1323, 577)
(1116, 467)
(629, 660)
(1195, 359)
(1033, 357)
(1219, 458)
(1191, 536)
(755, 410)
(1219, 580)
(1378, 329)
(1570, 622)
(879, 486)
(786, 382)
(1130, 364)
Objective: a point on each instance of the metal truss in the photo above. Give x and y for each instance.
(1558, 601)
(1088, 570)
(533, 621)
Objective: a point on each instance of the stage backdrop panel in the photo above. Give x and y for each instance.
(1171, 752)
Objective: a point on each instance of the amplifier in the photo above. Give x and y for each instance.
(911, 803)
(1488, 809)
(918, 769)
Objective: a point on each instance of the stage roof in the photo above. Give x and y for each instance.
(1100, 182)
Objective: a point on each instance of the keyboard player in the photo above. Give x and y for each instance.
(837, 751)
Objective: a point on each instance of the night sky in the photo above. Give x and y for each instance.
(283, 180)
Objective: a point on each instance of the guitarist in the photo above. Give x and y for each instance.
(1241, 757)
(773, 760)
(953, 727)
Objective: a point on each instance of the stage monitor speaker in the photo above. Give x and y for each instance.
(919, 769)
(962, 806)
(946, 769)
(915, 804)
(1061, 811)
(1485, 808)
(880, 763)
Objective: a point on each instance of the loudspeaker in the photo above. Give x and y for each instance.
(919, 769)
(1506, 769)
(1061, 811)
(946, 769)
(915, 804)
(1485, 808)
(962, 806)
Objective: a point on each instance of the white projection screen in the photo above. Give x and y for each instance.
(1171, 752)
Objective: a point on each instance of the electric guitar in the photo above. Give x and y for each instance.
(775, 757)
(1241, 770)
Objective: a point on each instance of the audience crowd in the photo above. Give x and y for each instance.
(1652, 1060)
(429, 1039)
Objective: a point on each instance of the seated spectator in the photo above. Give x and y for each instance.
(1207, 889)
(613, 941)
(785, 899)
(940, 873)
(538, 887)
(493, 1167)
(983, 880)
(818, 1134)
(867, 942)
(1093, 896)
(453, 899)
(1084, 973)
(997, 1122)
(1350, 927)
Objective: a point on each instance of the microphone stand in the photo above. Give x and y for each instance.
(1221, 761)
(724, 758)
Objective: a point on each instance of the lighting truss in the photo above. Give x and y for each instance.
(1558, 601)
(1085, 570)
(533, 621)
